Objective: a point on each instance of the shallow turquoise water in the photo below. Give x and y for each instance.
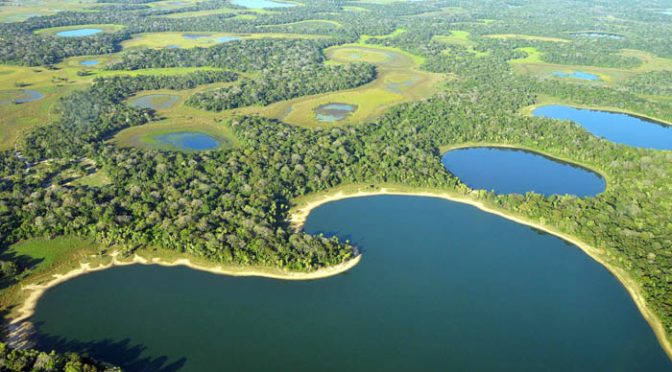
(262, 4)
(90, 62)
(189, 141)
(442, 286)
(80, 32)
(615, 127)
(226, 39)
(509, 171)
(577, 75)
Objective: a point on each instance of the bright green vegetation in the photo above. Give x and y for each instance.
(422, 75)
(459, 38)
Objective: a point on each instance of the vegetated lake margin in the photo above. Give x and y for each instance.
(298, 215)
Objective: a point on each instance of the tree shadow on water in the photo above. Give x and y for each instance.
(120, 353)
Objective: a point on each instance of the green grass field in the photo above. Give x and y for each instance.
(20, 11)
(179, 118)
(461, 38)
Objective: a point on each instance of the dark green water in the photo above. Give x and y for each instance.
(441, 287)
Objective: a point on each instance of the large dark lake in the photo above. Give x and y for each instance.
(442, 286)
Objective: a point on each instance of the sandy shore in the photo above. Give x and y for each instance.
(299, 214)
(18, 326)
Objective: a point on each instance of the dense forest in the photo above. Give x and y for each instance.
(33, 360)
(231, 205)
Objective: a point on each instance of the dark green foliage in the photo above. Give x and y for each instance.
(33, 360)
(275, 86)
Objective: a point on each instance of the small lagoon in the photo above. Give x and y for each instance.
(82, 32)
(577, 75)
(19, 96)
(155, 101)
(89, 63)
(513, 171)
(226, 39)
(615, 127)
(188, 141)
(262, 4)
(333, 112)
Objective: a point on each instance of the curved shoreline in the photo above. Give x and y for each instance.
(27, 308)
(299, 214)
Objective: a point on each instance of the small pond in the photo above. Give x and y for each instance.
(19, 96)
(513, 171)
(332, 112)
(155, 101)
(80, 32)
(576, 75)
(226, 39)
(615, 127)
(89, 62)
(188, 141)
(262, 4)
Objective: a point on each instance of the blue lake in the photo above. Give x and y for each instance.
(226, 39)
(334, 112)
(80, 32)
(577, 75)
(90, 62)
(616, 127)
(442, 286)
(188, 141)
(511, 171)
(262, 4)
(155, 101)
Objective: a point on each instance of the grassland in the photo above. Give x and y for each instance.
(533, 65)
(43, 257)
(20, 11)
(53, 84)
(460, 38)
(178, 118)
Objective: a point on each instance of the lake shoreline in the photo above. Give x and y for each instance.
(300, 213)
(19, 328)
